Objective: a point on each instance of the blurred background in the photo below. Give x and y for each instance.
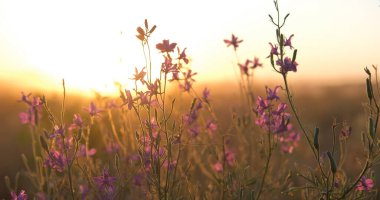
(92, 44)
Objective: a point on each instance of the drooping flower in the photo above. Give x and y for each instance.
(365, 184)
(165, 46)
(288, 42)
(234, 42)
(21, 196)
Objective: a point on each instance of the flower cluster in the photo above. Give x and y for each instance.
(276, 120)
(286, 63)
(33, 114)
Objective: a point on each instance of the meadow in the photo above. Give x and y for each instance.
(169, 137)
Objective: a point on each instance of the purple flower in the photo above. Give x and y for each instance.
(93, 110)
(206, 94)
(168, 66)
(244, 67)
(55, 160)
(137, 180)
(287, 66)
(84, 191)
(365, 184)
(165, 46)
(20, 196)
(272, 94)
(288, 42)
(128, 100)
(105, 181)
(153, 87)
(234, 42)
(274, 49)
(256, 63)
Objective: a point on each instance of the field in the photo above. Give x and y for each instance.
(169, 135)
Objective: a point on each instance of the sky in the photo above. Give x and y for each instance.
(91, 44)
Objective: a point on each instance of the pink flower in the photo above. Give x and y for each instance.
(128, 100)
(274, 49)
(244, 67)
(139, 76)
(165, 46)
(365, 184)
(93, 110)
(20, 196)
(182, 55)
(218, 167)
(206, 94)
(56, 161)
(234, 42)
(256, 63)
(288, 42)
(211, 127)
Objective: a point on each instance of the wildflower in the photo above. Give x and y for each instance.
(274, 49)
(175, 76)
(165, 46)
(288, 65)
(111, 104)
(234, 42)
(211, 127)
(77, 120)
(153, 87)
(139, 76)
(244, 67)
(288, 42)
(345, 132)
(229, 156)
(55, 160)
(137, 180)
(206, 94)
(105, 181)
(256, 63)
(84, 191)
(93, 110)
(83, 151)
(168, 66)
(171, 165)
(182, 55)
(26, 118)
(20, 196)
(194, 131)
(272, 94)
(218, 167)
(365, 184)
(128, 100)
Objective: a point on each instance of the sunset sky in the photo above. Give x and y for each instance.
(92, 43)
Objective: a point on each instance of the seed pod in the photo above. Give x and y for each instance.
(371, 129)
(44, 144)
(316, 138)
(294, 56)
(146, 23)
(332, 163)
(369, 89)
